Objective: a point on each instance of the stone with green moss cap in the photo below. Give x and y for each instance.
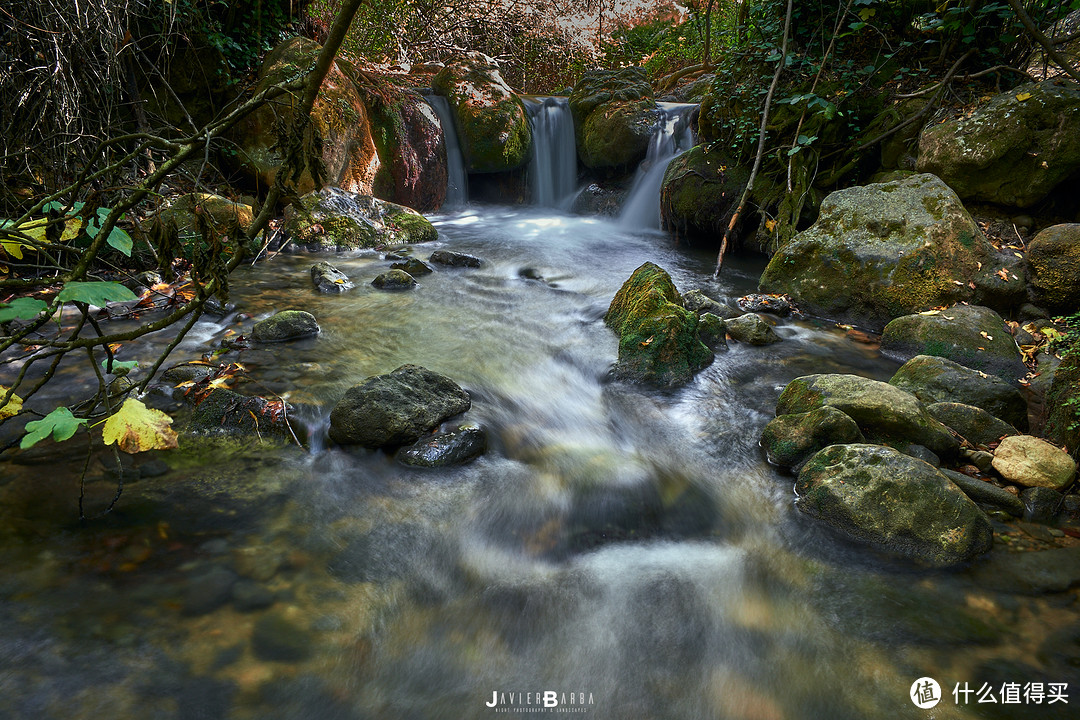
(904, 506)
(790, 440)
(700, 191)
(285, 325)
(935, 379)
(334, 219)
(1054, 258)
(658, 338)
(614, 117)
(880, 251)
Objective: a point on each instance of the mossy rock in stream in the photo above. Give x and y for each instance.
(410, 141)
(700, 192)
(790, 440)
(614, 117)
(334, 219)
(658, 338)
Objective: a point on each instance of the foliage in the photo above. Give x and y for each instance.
(136, 428)
(60, 423)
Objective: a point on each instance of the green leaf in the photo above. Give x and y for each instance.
(60, 423)
(119, 367)
(794, 150)
(95, 293)
(120, 240)
(23, 308)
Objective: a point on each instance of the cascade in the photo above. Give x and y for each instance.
(672, 136)
(553, 167)
(457, 182)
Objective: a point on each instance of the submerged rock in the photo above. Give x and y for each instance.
(935, 380)
(285, 325)
(397, 408)
(329, 279)
(225, 412)
(1031, 462)
(455, 447)
(658, 338)
(413, 266)
(697, 301)
(902, 505)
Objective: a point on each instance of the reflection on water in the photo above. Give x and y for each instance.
(627, 550)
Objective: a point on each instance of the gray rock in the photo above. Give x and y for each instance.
(986, 493)
(698, 302)
(334, 219)
(414, 266)
(752, 329)
(1030, 573)
(758, 303)
(1041, 505)
(329, 279)
(397, 408)
(712, 331)
(279, 636)
(902, 505)
(975, 424)
(285, 325)
(394, 280)
(185, 372)
(455, 259)
(455, 447)
(935, 379)
(208, 590)
(789, 440)
(1031, 462)
(248, 596)
(920, 452)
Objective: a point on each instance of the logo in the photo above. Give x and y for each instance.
(925, 693)
(544, 701)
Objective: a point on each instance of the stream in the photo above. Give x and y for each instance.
(620, 552)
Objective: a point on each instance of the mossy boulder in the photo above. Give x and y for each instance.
(904, 506)
(614, 117)
(338, 146)
(394, 280)
(491, 121)
(223, 215)
(285, 325)
(1012, 151)
(974, 336)
(658, 337)
(225, 412)
(700, 192)
(1054, 258)
(790, 440)
(334, 219)
(880, 251)
(752, 329)
(935, 379)
(973, 424)
(884, 413)
(1063, 408)
(409, 138)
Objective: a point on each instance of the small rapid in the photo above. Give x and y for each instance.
(674, 135)
(457, 180)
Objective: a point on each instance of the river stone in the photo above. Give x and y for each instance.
(614, 117)
(1012, 151)
(248, 596)
(279, 635)
(394, 280)
(1031, 462)
(974, 336)
(789, 440)
(1041, 504)
(492, 123)
(225, 412)
(880, 251)
(329, 279)
(752, 329)
(208, 590)
(902, 505)
(986, 493)
(975, 424)
(658, 340)
(935, 379)
(883, 412)
(333, 219)
(697, 301)
(285, 325)
(455, 259)
(1054, 258)
(1031, 573)
(712, 331)
(700, 191)
(455, 447)
(413, 266)
(396, 408)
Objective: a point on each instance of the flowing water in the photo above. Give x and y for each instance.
(627, 550)
(457, 180)
(553, 162)
(674, 135)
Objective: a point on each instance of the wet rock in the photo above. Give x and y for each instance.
(1031, 573)
(1041, 504)
(604, 200)
(285, 325)
(154, 468)
(409, 137)
(698, 302)
(455, 447)
(751, 329)
(789, 440)
(986, 493)
(207, 590)
(258, 563)
(920, 452)
(333, 219)
(143, 281)
(413, 266)
(712, 331)
(700, 190)
(394, 280)
(223, 411)
(974, 336)
(1002, 283)
(902, 505)
(658, 340)
(281, 636)
(935, 379)
(1031, 462)
(883, 412)
(880, 251)
(614, 116)
(454, 259)
(758, 303)
(1063, 415)
(1012, 151)
(975, 424)
(248, 596)
(185, 372)
(397, 408)
(329, 279)
(184, 214)
(1054, 257)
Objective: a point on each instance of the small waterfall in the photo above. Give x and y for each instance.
(553, 167)
(457, 182)
(673, 136)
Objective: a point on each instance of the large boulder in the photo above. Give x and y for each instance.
(902, 505)
(790, 440)
(1031, 462)
(491, 121)
(973, 424)
(397, 408)
(338, 147)
(614, 117)
(880, 251)
(409, 137)
(936, 380)
(1063, 410)
(658, 339)
(974, 336)
(1054, 258)
(700, 191)
(884, 413)
(1014, 150)
(333, 219)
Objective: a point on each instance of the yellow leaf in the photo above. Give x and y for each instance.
(135, 428)
(1023, 96)
(1052, 333)
(12, 407)
(770, 225)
